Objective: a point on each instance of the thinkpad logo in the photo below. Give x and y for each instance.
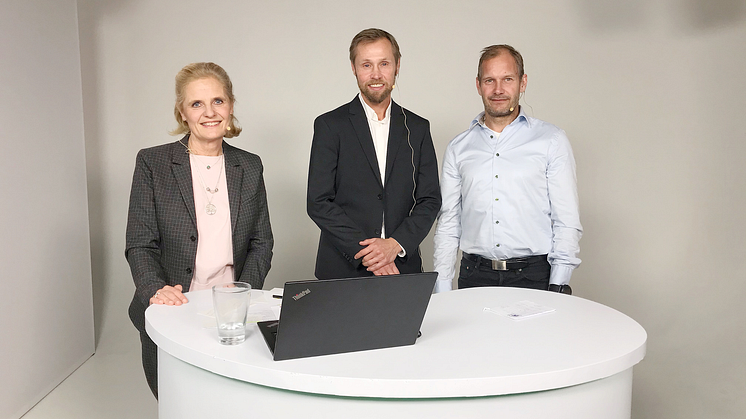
(301, 294)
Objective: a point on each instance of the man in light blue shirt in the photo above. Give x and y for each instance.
(509, 191)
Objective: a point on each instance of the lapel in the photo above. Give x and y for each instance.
(397, 135)
(360, 123)
(234, 179)
(183, 174)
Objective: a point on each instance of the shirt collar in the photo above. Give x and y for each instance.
(479, 119)
(371, 114)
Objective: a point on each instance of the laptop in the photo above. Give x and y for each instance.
(331, 316)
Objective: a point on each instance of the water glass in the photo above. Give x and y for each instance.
(231, 304)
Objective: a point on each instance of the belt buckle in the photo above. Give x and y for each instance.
(499, 265)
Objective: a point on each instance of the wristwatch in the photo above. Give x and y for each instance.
(563, 289)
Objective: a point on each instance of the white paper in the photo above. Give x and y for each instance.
(520, 310)
(262, 307)
(276, 291)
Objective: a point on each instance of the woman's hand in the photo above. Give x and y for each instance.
(169, 295)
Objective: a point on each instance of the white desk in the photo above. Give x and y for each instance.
(573, 363)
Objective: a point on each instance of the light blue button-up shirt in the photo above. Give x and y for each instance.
(507, 195)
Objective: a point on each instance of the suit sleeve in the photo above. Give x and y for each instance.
(142, 250)
(344, 233)
(259, 257)
(415, 227)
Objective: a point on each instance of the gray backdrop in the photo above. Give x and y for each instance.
(651, 95)
(46, 313)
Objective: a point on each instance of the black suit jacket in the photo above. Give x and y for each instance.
(347, 200)
(162, 234)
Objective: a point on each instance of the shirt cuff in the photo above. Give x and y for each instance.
(443, 285)
(560, 274)
(402, 252)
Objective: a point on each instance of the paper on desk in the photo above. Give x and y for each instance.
(520, 310)
(261, 307)
(276, 291)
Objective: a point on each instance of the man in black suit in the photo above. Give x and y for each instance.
(373, 177)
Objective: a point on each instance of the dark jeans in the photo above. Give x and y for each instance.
(535, 275)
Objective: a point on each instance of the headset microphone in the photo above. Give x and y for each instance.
(414, 166)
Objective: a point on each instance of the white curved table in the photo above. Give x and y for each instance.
(575, 362)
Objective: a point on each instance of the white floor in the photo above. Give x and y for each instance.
(109, 385)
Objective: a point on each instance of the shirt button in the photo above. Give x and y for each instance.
(380, 197)
(497, 199)
(192, 238)
(497, 154)
(498, 245)
(495, 176)
(188, 270)
(492, 136)
(497, 222)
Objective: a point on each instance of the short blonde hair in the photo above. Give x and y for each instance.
(371, 35)
(196, 71)
(493, 51)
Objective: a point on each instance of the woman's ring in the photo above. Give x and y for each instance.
(158, 293)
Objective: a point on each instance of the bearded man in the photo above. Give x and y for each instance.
(510, 199)
(373, 176)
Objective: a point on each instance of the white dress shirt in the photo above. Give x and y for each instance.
(379, 131)
(509, 195)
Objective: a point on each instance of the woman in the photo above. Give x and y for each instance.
(198, 209)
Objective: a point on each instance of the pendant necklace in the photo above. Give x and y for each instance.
(209, 166)
(210, 208)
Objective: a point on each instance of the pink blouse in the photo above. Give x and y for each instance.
(214, 264)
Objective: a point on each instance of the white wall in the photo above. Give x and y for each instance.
(650, 93)
(46, 316)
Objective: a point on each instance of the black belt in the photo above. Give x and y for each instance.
(505, 264)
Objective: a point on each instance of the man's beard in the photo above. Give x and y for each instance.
(495, 113)
(376, 98)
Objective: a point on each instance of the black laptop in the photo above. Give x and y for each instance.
(322, 317)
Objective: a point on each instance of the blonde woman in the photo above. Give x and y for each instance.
(198, 208)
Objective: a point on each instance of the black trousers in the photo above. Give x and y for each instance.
(535, 275)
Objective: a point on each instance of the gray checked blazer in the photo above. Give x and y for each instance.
(162, 233)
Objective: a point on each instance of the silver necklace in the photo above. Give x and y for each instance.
(209, 166)
(210, 208)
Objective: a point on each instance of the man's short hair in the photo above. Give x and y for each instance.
(371, 35)
(493, 51)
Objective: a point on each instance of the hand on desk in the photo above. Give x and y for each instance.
(169, 295)
(379, 253)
